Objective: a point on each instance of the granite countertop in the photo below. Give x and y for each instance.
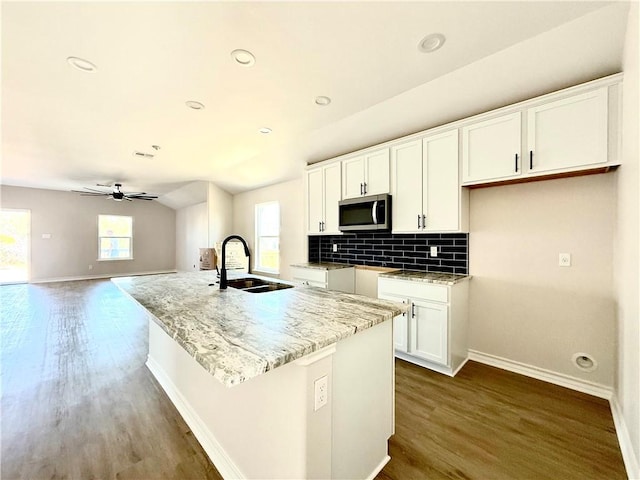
(426, 277)
(237, 335)
(322, 265)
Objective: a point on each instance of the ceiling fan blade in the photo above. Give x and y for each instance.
(128, 199)
(91, 194)
(135, 193)
(94, 190)
(142, 197)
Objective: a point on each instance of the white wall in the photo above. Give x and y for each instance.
(293, 244)
(192, 233)
(220, 214)
(523, 306)
(72, 221)
(627, 243)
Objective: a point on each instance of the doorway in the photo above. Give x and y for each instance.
(15, 242)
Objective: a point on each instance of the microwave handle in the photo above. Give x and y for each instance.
(374, 212)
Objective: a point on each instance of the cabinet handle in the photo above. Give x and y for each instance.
(322, 226)
(365, 187)
(418, 222)
(404, 314)
(361, 189)
(530, 159)
(424, 222)
(413, 310)
(516, 163)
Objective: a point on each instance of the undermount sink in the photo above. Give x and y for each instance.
(256, 285)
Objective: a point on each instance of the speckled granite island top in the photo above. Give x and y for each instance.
(237, 335)
(426, 277)
(322, 265)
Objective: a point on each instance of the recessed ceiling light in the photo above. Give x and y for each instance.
(322, 101)
(431, 42)
(243, 57)
(82, 64)
(195, 105)
(265, 130)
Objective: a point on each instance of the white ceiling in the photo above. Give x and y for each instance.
(64, 129)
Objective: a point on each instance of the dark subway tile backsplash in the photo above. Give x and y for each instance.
(405, 251)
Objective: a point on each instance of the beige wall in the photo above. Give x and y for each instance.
(627, 244)
(293, 244)
(72, 221)
(192, 233)
(523, 306)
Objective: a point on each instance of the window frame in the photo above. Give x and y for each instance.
(130, 257)
(257, 265)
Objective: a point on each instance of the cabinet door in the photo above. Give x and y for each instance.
(315, 200)
(331, 198)
(353, 177)
(406, 204)
(377, 172)
(568, 133)
(440, 184)
(400, 325)
(491, 149)
(428, 337)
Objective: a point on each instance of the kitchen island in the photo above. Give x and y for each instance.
(292, 383)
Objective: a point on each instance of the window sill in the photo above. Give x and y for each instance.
(266, 272)
(112, 259)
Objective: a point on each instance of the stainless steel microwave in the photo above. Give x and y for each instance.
(365, 213)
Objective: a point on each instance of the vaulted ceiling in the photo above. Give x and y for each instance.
(63, 128)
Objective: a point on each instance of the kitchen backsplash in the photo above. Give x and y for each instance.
(405, 251)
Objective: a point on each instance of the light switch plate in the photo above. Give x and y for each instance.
(433, 251)
(335, 247)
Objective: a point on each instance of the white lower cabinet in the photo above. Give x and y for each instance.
(340, 279)
(433, 332)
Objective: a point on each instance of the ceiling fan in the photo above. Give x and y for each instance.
(117, 194)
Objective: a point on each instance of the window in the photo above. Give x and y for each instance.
(115, 237)
(268, 237)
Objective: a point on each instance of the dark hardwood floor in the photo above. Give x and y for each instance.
(79, 403)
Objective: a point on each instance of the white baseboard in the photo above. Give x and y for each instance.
(379, 468)
(214, 450)
(96, 277)
(626, 447)
(584, 386)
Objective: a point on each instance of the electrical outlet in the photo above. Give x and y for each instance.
(90, 267)
(433, 251)
(321, 392)
(564, 259)
(335, 247)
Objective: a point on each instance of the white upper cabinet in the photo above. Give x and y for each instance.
(426, 195)
(406, 201)
(567, 133)
(323, 195)
(441, 194)
(366, 174)
(491, 149)
(558, 134)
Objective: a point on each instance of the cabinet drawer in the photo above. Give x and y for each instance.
(310, 274)
(308, 283)
(408, 288)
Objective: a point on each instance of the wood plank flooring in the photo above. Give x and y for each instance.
(79, 403)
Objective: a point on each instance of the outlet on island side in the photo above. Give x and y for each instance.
(321, 392)
(335, 247)
(433, 251)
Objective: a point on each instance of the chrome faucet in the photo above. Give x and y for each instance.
(223, 270)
